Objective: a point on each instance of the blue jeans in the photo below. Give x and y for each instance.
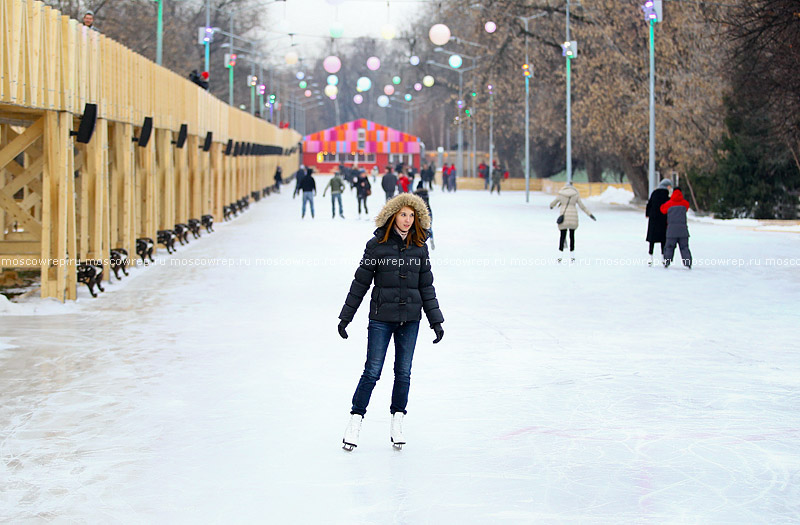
(378, 336)
(308, 196)
(336, 197)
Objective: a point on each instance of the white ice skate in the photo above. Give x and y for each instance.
(398, 440)
(350, 439)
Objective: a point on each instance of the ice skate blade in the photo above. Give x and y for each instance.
(348, 446)
(398, 446)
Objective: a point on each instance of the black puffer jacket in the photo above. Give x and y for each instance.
(403, 282)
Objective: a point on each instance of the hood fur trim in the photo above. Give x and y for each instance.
(397, 202)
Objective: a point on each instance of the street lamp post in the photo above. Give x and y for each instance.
(527, 72)
(459, 130)
(569, 50)
(160, 32)
(491, 131)
(652, 13)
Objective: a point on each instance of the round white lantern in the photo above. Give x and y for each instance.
(332, 64)
(363, 84)
(439, 34)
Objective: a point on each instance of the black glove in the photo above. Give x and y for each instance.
(593, 217)
(341, 328)
(439, 331)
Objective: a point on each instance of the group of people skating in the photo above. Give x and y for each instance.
(666, 224)
(395, 180)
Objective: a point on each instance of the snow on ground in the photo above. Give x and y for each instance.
(612, 195)
(213, 387)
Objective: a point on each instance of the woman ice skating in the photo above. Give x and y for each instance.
(363, 190)
(569, 199)
(657, 221)
(677, 229)
(396, 259)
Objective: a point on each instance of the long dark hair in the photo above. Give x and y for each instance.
(416, 235)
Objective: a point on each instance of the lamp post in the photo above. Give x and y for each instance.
(460, 133)
(653, 13)
(569, 49)
(527, 72)
(491, 130)
(160, 32)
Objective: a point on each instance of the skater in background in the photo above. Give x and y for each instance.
(278, 178)
(483, 172)
(497, 178)
(298, 178)
(445, 176)
(429, 176)
(336, 184)
(396, 260)
(374, 173)
(422, 193)
(657, 221)
(389, 183)
(568, 199)
(363, 190)
(451, 178)
(309, 188)
(677, 229)
(403, 184)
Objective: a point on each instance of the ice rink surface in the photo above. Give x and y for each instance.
(212, 387)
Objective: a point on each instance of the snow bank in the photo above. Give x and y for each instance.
(747, 223)
(613, 195)
(36, 306)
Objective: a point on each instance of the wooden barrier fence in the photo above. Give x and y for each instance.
(62, 201)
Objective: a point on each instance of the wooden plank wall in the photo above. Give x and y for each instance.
(80, 201)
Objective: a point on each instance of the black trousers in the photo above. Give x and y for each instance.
(562, 241)
(652, 244)
(364, 200)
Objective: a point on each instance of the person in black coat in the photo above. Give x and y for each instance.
(363, 190)
(396, 259)
(389, 183)
(309, 188)
(657, 221)
(278, 178)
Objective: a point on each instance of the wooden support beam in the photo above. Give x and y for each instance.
(21, 142)
(21, 247)
(20, 214)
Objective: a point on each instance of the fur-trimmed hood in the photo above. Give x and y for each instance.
(404, 199)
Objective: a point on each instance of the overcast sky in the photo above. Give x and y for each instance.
(357, 17)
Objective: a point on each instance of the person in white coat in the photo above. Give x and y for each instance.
(568, 199)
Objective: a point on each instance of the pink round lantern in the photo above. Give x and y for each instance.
(388, 89)
(358, 99)
(439, 34)
(418, 86)
(307, 93)
(490, 27)
(332, 64)
(373, 63)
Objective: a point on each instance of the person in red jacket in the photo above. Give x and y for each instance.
(403, 182)
(677, 229)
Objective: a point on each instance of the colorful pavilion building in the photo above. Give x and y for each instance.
(361, 143)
